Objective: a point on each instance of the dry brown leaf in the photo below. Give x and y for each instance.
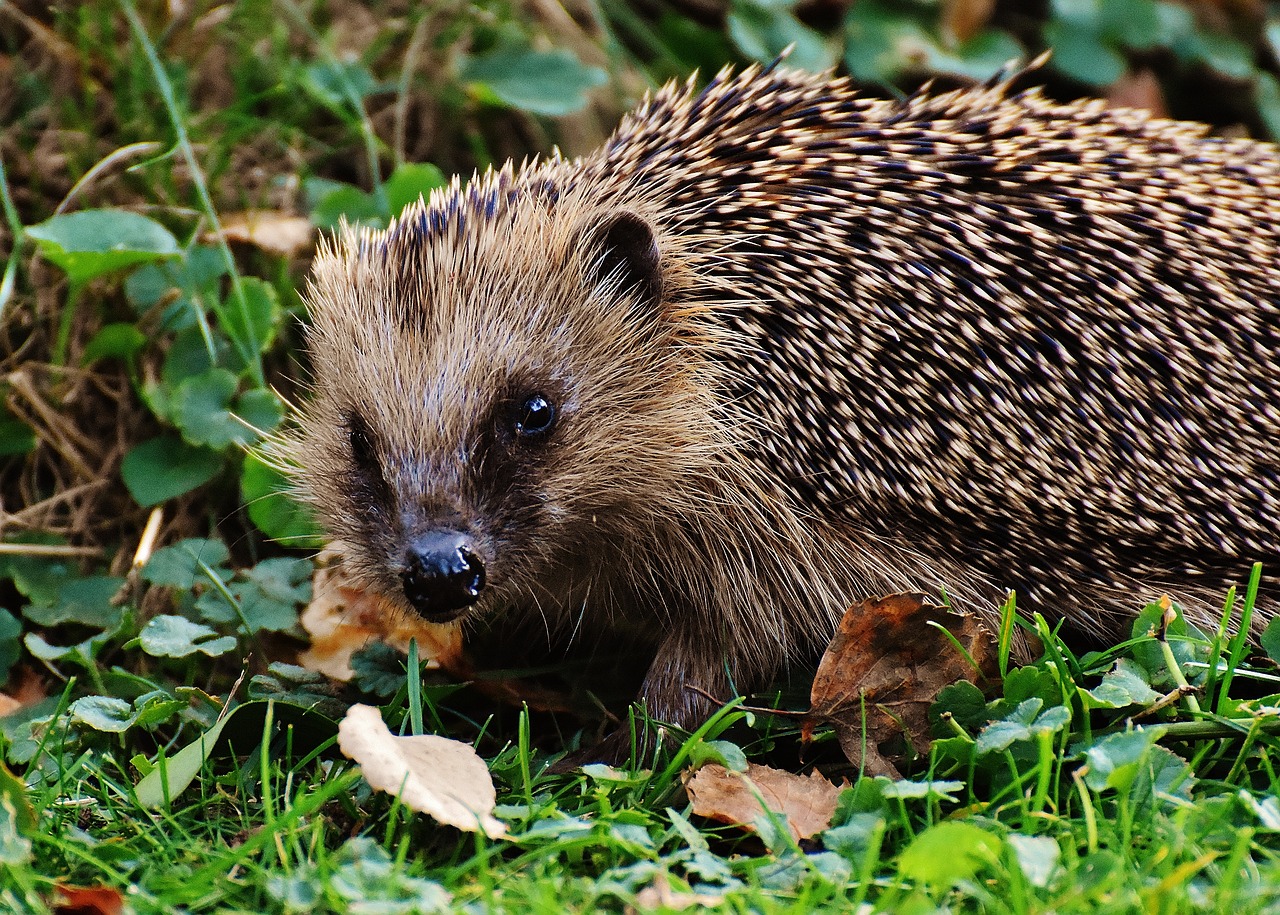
(341, 620)
(806, 802)
(25, 690)
(962, 19)
(271, 230)
(88, 900)
(660, 895)
(1138, 90)
(888, 659)
(442, 778)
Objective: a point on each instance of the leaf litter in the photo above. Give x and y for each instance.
(443, 778)
(888, 661)
(806, 803)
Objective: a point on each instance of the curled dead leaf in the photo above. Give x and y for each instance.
(442, 778)
(891, 656)
(807, 803)
(1139, 89)
(963, 19)
(662, 895)
(88, 900)
(25, 690)
(342, 619)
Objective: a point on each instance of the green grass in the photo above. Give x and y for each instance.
(1024, 814)
(135, 345)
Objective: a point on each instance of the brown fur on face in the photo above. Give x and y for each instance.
(634, 506)
(808, 347)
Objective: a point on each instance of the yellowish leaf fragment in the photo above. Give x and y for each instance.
(272, 231)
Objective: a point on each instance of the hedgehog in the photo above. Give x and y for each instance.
(779, 345)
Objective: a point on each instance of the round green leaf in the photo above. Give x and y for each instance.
(189, 356)
(182, 565)
(114, 341)
(338, 201)
(1086, 14)
(1080, 54)
(1113, 762)
(273, 510)
(1175, 27)
(184, 286)
(83, 601)
(979, 58)
(935, 790)
(947, 853)
(1131, 23)
(411, 181)
(103, 713)
(165, 467)
(1126, 684)
(16, 437)
(157, 707)
(338, 84)
(880, 42)
(1228, 56)
(253, 324)
(201, 409)
(17, 820)
(540, 82)
(92, 243)
(10, 642)
(1266, 96)
(1037, 857)
(1270, 639)
(762, 32)
(272, 592)
(261, 410)
(1024, 722)
(177, 637)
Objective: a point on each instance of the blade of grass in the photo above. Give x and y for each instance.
(249, 349)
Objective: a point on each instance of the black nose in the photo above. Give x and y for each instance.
(442, 575)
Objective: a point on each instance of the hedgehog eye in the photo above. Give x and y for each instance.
(363, 453)
(534, 417)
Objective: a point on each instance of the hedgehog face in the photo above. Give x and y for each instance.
(498, 410)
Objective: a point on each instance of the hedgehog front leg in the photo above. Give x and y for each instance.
(687, 668)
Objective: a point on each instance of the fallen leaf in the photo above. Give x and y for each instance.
(1138, 90)
(271, 230)
(442, 778)
(342, 619)
(888, 658)
(89, 900)
(25, 689)
(660, 895)
(962, 19)
(806, 802)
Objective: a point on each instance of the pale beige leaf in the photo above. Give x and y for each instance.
(662, 895)
(442, 778)
(342, 619)
(806, 802)
(272, 231)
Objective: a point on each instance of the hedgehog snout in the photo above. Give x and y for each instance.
(443, 574)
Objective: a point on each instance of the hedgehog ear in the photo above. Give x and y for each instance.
(621, 247)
